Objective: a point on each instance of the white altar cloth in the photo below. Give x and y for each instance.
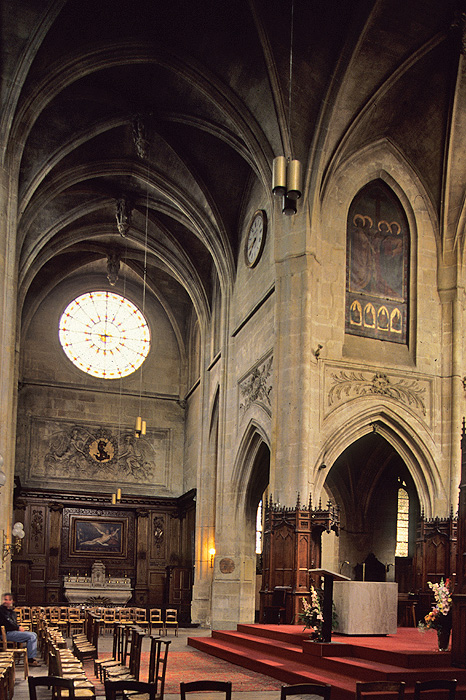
(366, 607)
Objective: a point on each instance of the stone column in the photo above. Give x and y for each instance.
(8, 294)
(292, 403)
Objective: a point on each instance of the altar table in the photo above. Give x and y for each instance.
(366, 607)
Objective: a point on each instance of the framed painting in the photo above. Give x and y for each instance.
(102, 536)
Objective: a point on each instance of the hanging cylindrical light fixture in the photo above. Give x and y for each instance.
(279, 176)
(293, 179)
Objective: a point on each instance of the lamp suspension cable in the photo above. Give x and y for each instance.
(140, 427)
(286, 172)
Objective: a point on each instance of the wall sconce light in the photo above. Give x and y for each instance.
(140, 427)
(212, 555)
(8, 547)
(286, 182)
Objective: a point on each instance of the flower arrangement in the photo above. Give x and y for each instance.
(437, 617)
(311, 616)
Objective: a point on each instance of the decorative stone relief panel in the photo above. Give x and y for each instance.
(256, 387)
(80, 452)
(344, 383)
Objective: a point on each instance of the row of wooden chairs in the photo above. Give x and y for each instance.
(63, 663)
(85, 645)
(72, 619)
(7, 675)
(385, 689)
(116, 667)
(163, 623)
(19, 653)
(65, 688)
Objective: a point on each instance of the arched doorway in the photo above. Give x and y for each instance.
(255, 497)
(379, 508)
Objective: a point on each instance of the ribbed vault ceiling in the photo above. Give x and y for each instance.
(209, 83)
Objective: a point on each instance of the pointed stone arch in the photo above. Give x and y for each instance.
(409, 441)
(247, 477)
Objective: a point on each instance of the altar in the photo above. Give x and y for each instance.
(79, 589)
(366, 607)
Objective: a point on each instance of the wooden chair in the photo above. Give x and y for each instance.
(75, 621)
(275, 613)
(26, 619)
(397, 688)
(60, 687)
(130, 672)
(19, 653)
(320, 689)
(171, 620)
(108, 619)
(437, 684)
(158, 657)
(4, 689)
(140, 617)
(86, 646)
(64, 664)
(7, 669)
(124, 616)
(155, 619)
(158, 664)
(130, 689)
(116, 657)
(201, 686)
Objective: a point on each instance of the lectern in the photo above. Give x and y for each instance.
(329, 578)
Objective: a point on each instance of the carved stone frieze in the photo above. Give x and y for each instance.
(95, 452)
(256, 387)
(344, 384)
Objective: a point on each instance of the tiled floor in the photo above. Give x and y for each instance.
(179, 643)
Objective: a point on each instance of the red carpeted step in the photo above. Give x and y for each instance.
(287, 671)
(282, 653)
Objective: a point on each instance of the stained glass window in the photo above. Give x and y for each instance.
(402, 524)
(104, 334)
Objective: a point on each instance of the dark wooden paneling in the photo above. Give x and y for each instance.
(159, 533)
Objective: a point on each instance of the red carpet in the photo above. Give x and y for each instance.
(194, 665)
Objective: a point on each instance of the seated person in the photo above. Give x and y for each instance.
(15, 633)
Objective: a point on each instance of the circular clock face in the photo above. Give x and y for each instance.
(255, 240)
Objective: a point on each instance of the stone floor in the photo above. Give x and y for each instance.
(179, 643)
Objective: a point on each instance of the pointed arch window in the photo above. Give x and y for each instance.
(377, 265)
(259, 528)
(402, 523)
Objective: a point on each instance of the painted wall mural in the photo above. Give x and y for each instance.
(377, 265)
(87, 452)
